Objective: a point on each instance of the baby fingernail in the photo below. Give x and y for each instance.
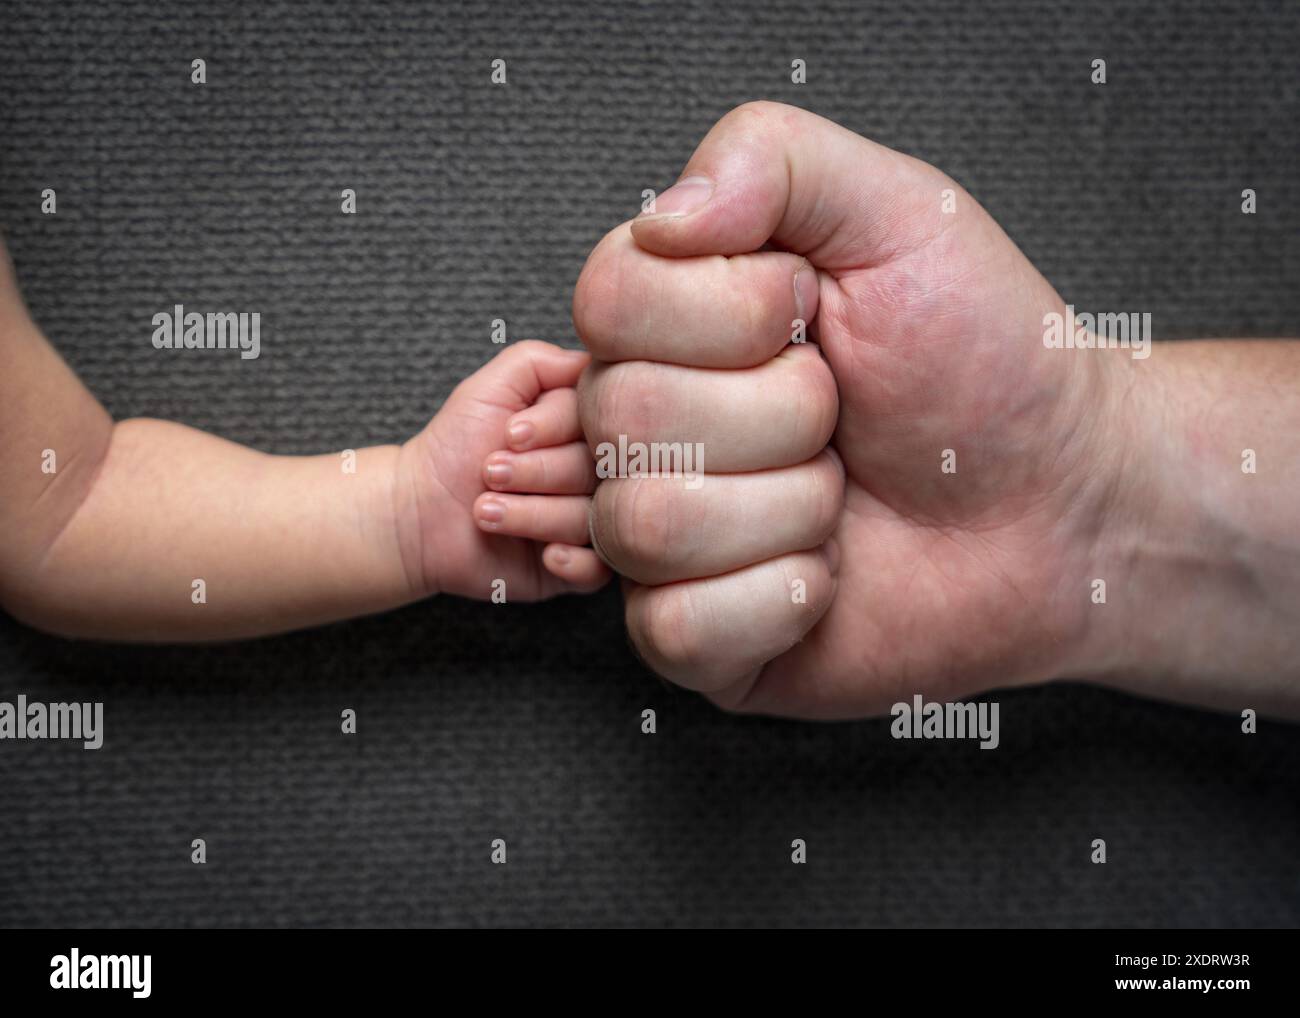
(521, 434)
(560, 556)
(491, 512)
(499, 474)
(683, 198)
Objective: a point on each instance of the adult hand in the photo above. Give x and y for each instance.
(989, 480)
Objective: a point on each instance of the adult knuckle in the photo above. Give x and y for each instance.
(590, 383)
(670, 629)
(645, 523)
(764, 316)
(828, 495)
(817, 408)
(597, 300)
(636, 397)
(755, 110)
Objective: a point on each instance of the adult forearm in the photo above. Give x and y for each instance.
(1201, 550)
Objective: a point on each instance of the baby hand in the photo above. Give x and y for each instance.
(512, 427)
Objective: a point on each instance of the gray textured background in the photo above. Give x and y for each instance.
(479, 202)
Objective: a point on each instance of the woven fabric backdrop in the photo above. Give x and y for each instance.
(523, 722)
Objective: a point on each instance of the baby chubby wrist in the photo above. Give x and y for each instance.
(375, 507)
(414, 502)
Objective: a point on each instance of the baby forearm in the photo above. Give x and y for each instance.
(185, 536)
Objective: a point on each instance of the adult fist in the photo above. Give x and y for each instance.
(726, 565)
(975, 473)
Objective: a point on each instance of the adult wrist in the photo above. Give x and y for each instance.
(1201, 574)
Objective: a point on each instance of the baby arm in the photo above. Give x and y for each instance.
(151, 530)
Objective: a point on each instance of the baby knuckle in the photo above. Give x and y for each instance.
(525, 349)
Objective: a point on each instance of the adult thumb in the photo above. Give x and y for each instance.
(768, 173)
